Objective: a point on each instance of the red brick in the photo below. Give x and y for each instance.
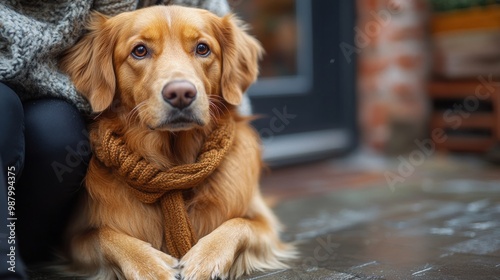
(409, 61)
(369, 5)
(409, 33)
(373, 66)
(414, 111)
(404, 91)
(378, 113)
(367, 86)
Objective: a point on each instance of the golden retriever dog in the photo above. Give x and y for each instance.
(163, 77)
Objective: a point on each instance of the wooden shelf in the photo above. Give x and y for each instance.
(477, 132)
(477, 120)
(454, 89)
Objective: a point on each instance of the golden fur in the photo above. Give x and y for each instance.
(116, 236)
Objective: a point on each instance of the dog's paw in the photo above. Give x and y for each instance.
(151, 264)
(208, 259)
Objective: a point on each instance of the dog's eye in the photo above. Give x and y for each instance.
(202, 49)
(139, 52)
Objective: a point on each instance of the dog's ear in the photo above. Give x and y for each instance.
(240, 56)
(89, 63)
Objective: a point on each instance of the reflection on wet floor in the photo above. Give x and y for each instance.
(441, 222)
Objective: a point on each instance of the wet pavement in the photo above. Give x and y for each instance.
(440, 221)
(375, 234)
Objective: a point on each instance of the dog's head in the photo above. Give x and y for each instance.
(170, 67)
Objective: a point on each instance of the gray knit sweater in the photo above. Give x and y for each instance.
(34, 33)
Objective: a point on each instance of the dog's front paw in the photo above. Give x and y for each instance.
(208, 259)
(151, 264)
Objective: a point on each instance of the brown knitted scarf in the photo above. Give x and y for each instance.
(150, 184)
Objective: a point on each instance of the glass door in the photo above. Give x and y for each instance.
(305, 92)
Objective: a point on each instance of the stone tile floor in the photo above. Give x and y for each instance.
(371, 218)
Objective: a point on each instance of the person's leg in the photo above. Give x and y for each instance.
(11, 162)
(57, 155)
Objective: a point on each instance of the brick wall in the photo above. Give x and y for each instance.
(391, 37)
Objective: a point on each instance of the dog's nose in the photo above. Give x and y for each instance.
(179, 94)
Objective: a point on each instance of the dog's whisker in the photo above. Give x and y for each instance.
(97, 116)
(216, 111)
(220, 100)
(218, 104)
(214, 106)
(134, 113)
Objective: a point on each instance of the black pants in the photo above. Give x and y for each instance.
(45, 145)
